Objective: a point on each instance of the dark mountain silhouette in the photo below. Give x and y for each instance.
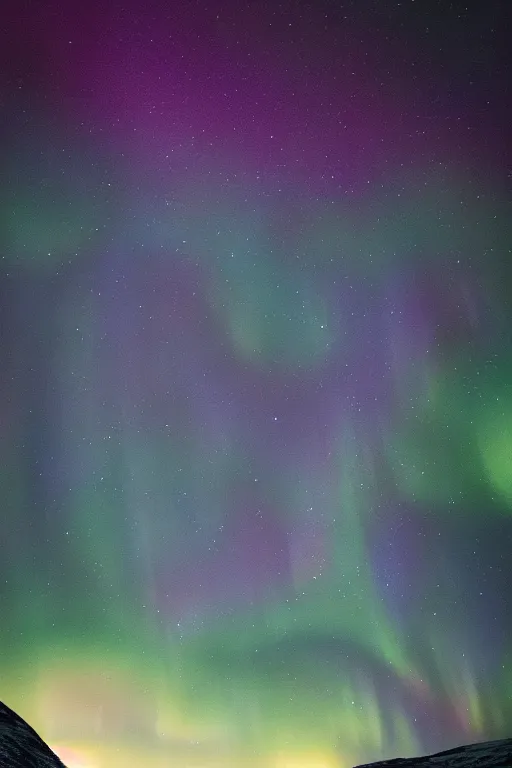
(489, 754)
(21, 746)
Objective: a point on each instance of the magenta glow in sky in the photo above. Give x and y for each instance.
(256, 415)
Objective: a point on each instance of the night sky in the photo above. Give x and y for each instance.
(256, 379)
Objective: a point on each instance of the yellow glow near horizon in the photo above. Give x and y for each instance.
(311, 760)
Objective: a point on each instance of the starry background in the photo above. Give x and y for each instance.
(256, 358)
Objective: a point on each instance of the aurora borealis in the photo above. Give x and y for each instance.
(256, 401)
